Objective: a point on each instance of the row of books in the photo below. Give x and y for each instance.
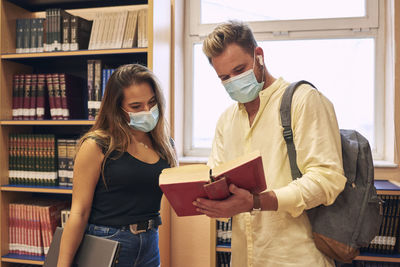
(223, 259)
(124, 29)
(62, 31)
(58, 31)
(97, 78)
(56, 95)
(41, 160)
(224, 232)
(387, 240)
(32, 224)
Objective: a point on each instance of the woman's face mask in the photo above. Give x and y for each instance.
(144, 121)
(243, 87)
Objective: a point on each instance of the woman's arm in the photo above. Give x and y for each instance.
(87, 168)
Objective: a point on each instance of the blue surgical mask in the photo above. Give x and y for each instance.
(144, 121)
(243, 87)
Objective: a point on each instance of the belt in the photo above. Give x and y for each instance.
(143, 226)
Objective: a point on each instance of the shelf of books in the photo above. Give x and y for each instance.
(55, 59)
(385, 248)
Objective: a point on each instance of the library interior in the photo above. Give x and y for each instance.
(56, 57)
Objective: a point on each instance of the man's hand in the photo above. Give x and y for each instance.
(240, 201)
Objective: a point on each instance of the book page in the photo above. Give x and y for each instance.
(187, 173)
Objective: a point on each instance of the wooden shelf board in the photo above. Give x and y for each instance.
(14, 258)
(223, 249)
(75, 53)
(388, 192)
(47, 122)
(380, 258)
(36, 189)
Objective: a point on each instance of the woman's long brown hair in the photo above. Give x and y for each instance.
(111, 130)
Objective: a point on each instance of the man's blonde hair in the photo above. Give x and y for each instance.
(227, 33)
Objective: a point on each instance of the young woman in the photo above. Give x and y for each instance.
(116, 193)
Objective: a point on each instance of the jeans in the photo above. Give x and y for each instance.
(140, 250)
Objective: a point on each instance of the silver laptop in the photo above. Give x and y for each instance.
(93, 251)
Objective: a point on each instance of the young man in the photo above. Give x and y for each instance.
(271, 229)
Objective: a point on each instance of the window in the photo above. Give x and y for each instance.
(338, 45)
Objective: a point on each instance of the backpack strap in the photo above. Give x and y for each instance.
(286, 120)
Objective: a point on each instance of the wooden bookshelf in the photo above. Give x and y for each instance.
(156, 56)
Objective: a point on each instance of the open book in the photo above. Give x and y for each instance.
(182, 185)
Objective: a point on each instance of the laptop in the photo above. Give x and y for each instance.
(93, 251)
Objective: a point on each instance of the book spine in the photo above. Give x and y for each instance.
(90, 87)
(52, 95)
(67, 33)
(33, 96)
(26, 35)
(40, 96)
(15, 97)
(71, 146)
(62, 161)
(46, 32)
(64, 100)
(11, 227)
(11, 160)
(21, 90)
(19, 35)
(97, 86)
(74, 33)
(33, 36)
(41, 35)
(57, 92)
(27, 95)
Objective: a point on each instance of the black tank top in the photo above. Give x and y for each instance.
(133, 192)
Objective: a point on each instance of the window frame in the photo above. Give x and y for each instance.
(371, 25)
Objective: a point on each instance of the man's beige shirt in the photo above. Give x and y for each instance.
(283, 237)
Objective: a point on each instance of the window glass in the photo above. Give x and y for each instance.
(342, 69)
(215, 11)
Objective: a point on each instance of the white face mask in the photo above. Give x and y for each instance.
(243, 87)
(144, 121)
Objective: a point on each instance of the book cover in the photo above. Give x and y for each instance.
(33, 95)
(27, 96)
(15, 103)
(182, 185)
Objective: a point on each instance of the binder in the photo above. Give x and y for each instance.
(93, 251)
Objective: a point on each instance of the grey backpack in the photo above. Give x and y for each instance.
(354, 219)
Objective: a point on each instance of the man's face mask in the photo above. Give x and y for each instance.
(144, 121)
(243, 87)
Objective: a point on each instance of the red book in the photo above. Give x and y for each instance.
(52, 96)
(27, 96)
(40, 97)
(11, 229)
(182, 185)
(15, 111)
(32, 110)
(20, 97)
(57, 96)
(64, 101)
